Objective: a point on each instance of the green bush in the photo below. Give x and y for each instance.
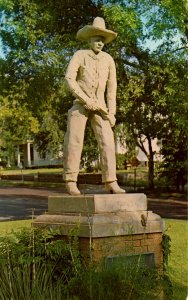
(119, 282)
(36, 264)
(120, 161)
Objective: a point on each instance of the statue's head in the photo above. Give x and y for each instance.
(96, 30)
(96, 43)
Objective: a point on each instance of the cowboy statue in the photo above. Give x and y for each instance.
(91, 76)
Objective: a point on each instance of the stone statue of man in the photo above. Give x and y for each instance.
(91, 76)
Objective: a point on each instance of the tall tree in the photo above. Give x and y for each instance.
(148, 78)
(39, 38)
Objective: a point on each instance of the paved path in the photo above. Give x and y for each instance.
(21, 203)
(18, 203)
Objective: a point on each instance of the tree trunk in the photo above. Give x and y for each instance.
(150, 156)
(150, 172)
(150, 166)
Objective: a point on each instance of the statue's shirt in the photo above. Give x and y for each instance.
(92, 77)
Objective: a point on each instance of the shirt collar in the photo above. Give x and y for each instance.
(92, 54)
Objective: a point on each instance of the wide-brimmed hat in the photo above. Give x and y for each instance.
(97, 28)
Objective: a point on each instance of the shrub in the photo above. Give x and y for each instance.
(120, 161)
(118, 282)
(36, 264)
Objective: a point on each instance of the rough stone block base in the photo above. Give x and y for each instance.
(98, 249)
(108, 225)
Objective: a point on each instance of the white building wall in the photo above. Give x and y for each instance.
(48, 160)
(141, 156)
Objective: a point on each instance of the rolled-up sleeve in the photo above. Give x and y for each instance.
(111, 88)
(71, 76)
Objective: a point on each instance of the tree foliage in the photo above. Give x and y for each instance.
(38, 39)
(150, 54)
(152, 82)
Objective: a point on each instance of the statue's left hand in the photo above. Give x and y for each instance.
(91, 104)
(92, 107)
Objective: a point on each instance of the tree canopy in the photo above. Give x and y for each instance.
(152, 93)
(150, 54)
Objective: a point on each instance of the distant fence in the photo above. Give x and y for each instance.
(86, 178)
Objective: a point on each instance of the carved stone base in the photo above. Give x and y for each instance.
(107, 225)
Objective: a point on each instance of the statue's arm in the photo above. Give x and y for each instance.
(70, 78)
(111, 88)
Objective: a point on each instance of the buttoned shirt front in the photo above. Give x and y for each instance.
(91, 76)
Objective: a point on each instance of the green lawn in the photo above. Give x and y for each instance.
(178, 260)
(7, 227)
(30, 171)
(30, 184)
(57, 170)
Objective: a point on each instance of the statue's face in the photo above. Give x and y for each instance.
(96, 43)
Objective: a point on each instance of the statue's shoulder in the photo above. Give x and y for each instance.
(81, 52)
(106, 55)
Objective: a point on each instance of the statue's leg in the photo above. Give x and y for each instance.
(105, 138)
(73, 142)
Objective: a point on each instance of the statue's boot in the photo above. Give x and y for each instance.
(114, 188)
(72, 189)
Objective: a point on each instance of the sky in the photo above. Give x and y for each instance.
(1, 51)
(150, 44)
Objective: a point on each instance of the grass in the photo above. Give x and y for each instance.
(30, 171)
(30, 184)
(58, 170)
(178, 260)
(9, 226)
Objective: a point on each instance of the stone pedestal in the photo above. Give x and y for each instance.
(109, 226)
